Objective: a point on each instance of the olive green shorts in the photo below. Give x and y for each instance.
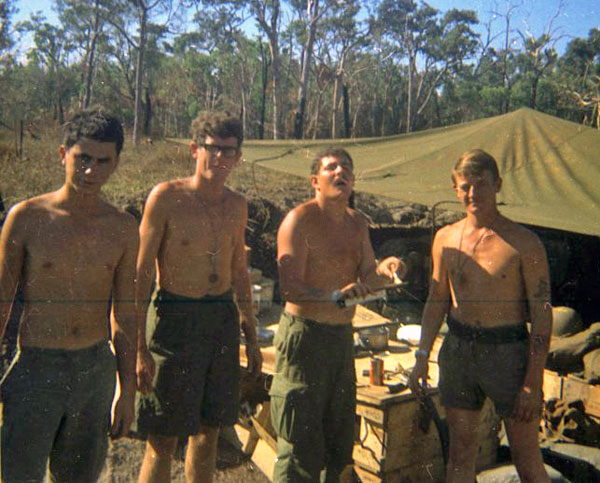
(479, 363)
(56, 413)
(313, 399)
(195, 345)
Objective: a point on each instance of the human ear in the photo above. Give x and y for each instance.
(314, 182)
(62, 151)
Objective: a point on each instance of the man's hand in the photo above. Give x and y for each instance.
(254, 358)
(355, 290)
(417, 380)
(144, 369)
(392, 268)
(123, 415)
(528, 405)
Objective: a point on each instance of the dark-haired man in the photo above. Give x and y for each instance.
(489, 274)
(74, 256)
(324, 255)
(193, 231)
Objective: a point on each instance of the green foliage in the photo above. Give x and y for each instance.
(401, 64)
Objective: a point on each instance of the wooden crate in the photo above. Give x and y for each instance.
(393, 447)
(575, 388)
(553, 385)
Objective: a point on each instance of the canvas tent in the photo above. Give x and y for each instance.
(550, 167)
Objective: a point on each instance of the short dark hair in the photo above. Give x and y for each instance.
(330, 152)
(217, 124)
(474, 163)
(94, 123)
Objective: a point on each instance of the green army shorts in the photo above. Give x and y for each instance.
(195, 345)
(313, 399)
(56, 414)
(477, 363)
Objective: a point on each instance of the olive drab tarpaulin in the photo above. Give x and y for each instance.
(550, 167)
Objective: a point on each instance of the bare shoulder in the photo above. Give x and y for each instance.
(167, 193)
(236, 199)
(523, 239)
(28, 213)
(301, 214)
(446, 233)
(357, 217)
(172, 188)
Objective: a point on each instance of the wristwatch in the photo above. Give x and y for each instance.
(422, 353)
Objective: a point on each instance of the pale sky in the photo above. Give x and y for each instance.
(533, 16)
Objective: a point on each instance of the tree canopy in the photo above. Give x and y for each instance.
(290, 68)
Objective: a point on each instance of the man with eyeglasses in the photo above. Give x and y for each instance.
(193, 231)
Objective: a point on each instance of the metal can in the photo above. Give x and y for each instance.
(376, 373)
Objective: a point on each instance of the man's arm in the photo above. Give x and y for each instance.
(373, 274)
(12, 256)
(243, 295)
(436, 307)
(292, 257)
(534, 267)
(152, 230)
(124, 331)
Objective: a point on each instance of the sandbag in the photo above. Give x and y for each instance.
(565, 322)
(566, 353)
(591, 367)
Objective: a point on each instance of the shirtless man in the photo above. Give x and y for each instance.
(489, 273)
(72, 253)
(324, 254)
(193, 231)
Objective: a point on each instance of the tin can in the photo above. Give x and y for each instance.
(376, 373)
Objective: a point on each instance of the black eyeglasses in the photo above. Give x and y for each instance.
(226, 151)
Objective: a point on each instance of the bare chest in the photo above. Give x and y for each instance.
(74, 249)
(489, 261)
(192, 229)
(333, 247)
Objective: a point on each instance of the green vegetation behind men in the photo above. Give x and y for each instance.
(193, 232)
(324, 254)
(489, 275)
(74, 256)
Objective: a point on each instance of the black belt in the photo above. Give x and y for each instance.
(488, 335)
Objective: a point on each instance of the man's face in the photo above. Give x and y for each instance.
(216, 156)
(477, 192)
(335, 177)
(88, 164)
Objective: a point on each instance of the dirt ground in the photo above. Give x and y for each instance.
(125, 457)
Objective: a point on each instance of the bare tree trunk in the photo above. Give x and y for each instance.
(277, 129)
(263, 99)
(339, 80)
(409, 102)
(313, 13)
(334, 107)
(346, 104)
(317, 116)
(147, 113)
(92, 56)
(139, 75)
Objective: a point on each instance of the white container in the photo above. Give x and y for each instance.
(256, 297)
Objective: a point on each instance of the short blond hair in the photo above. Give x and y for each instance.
(474, 163)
